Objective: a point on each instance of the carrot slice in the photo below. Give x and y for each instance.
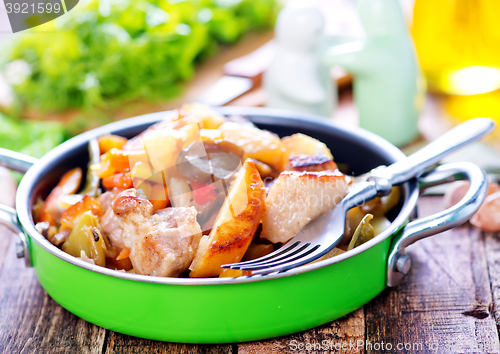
(125, 252)
(119, 180)
(110, 141)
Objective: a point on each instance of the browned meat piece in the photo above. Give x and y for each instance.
(318, 162)
(162, 244)
(110, 223)
(296, 198)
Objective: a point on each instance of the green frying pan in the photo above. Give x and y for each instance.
(232, 309)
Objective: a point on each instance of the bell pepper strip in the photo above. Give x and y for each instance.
(119, 180)
(203, 193)
(69, 184)
(110, 141)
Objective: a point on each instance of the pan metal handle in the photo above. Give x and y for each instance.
(16, 161)
(8, 216)
(399, 262)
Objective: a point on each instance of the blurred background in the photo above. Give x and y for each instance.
(107, 60)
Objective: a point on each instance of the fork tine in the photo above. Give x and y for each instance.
(296, 263)
(285, 248)
(286, 255)
(292, 256)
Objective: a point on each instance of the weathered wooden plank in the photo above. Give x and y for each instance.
(492, 245)
(340, 336)
(30, 321)
(120, 343)
(443, 305)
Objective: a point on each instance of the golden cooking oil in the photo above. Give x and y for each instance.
(458, 45)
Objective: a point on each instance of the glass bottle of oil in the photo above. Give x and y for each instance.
(458, 45)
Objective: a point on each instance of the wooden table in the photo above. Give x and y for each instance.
(448, 303)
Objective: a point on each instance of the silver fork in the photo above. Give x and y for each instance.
(323, 234)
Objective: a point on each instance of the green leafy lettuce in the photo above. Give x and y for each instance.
(104, 53)
(30, 137)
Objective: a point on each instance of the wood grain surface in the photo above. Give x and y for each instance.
(448, 303)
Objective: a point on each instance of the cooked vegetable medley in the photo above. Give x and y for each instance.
(195, 191)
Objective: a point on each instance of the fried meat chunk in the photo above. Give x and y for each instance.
(161, 244)
(297, 198)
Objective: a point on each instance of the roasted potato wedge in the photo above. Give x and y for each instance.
(301, 144)
(203, 115)
(256, 143)
(234, 227)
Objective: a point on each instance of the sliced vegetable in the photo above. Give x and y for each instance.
(115, 161)
(97, 246)
(68, 184)
(364, 232)
(353, 218)
(71, 215)
(92, 181)
(86, 236)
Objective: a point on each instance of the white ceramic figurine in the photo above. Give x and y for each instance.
(297, 79)
(388, 85)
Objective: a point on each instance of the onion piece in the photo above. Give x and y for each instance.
(487, 217)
